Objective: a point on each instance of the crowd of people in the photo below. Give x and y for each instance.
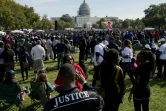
(113, 54)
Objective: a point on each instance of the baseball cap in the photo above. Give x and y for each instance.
(147, 46)
(162, 40)
(10, 72)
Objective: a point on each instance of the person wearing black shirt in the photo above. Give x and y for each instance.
(23, 58)
(82, 48)
(92, 46)
(112, 81)
(141, 87)
(8, 56)
(61, 48)
(112, 45)
(71, 99)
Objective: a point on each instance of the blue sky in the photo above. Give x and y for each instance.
(116, 8)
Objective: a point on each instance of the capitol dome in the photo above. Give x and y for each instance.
(84, 9)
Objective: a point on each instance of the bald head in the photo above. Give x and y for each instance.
(67, 73)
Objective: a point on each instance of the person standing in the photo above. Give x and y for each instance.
(28, 47)
(61, 49)
(162, 59)
(112, 44)
(8, 57)
(2, 65)
(38, 55)
(23, 58)
(82, 48)
(127, 55)
(112, 81)
(141, 88)
(49, 48)
(98, 59)
(55, 42)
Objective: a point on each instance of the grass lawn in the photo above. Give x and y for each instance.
(158, 89)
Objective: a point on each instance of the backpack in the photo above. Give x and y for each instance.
(106, 50)
(100, 89)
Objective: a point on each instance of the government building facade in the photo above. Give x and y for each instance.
(84, 19)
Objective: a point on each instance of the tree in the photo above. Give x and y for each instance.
(46, 24)
(126, 23)
(118, 24)
(65, 21)
(16, 16)
(66, 18)
(155, 16)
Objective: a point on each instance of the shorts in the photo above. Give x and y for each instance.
(38, 65)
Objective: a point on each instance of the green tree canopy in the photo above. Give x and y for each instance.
(155, 16)
(16, 16)
(66, 21)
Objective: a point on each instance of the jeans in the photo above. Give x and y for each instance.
(143, 102)
(160, 64)
(2, 72)
(60, 59)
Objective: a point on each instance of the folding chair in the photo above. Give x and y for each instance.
(39, 94)
(9, 95)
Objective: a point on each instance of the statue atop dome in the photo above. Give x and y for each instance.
(84, 9)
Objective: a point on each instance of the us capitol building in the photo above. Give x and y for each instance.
(84, 19)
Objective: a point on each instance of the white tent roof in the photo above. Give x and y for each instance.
(40, 31)
(17, 31)
(3, 33)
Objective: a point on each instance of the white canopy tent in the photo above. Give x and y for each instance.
(17, 31)
(3, 33)
(40, 31)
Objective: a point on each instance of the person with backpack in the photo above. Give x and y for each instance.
(98, 59)
(112, 81)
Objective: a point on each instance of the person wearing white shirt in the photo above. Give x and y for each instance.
(98, 59)
(49, 48)
(162, 59)
(55, 42)
(38, 55)
(127, 55)
(105, 42)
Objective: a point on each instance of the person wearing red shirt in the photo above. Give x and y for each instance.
(156, 35)
(58, 82)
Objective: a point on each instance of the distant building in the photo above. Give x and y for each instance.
(84, 19)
